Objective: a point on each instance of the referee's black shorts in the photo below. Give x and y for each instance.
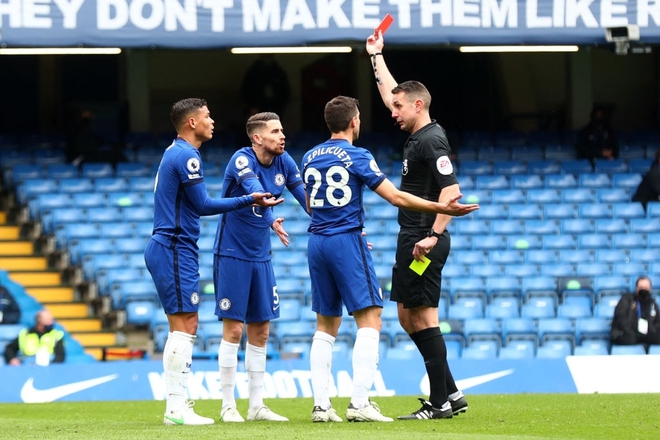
(409, 288)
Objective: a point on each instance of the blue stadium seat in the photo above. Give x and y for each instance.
(557, 269)
(488, 242)
(539, 307)
(526, 181)
(526, 211)
(632, 269)
(503, 308)
(503, 227)
(611, 166)
(137, 214)
(611, 225)
(560, 181)
(555, 349)
(522, 270)
(509, 167)
(491, 182)
(579, 195)
(468, 287)
(518, 328)
(491, 212)
(591, 328)
(628, 210)
(493, 153)
(573, 311)
(595, 210)
(472, 227)
(609, 256)
(510, 256)
(610, 284)
(43, 203)
(89, 200)
(631, 151)
(576, 166)
(140, 312)
(590, 350)
(129, 245)
(295, 330)
(383, 211)
(653, 240)
(465, 182)
(62, 171)
(108, 279)
(604, 311)
(627, 350)
(298, 347)
(643, 225)
(76, 185)
(143, 184)
(289, 310)
(104, 214)
(132, 169)
(125, 199)
(577, 226)
(639, 165)
(541, 256)
(627, 180)
(518, 349)
(559, 242)
(594, 180)
(481, 350)
(594, 241)
(559, 211)
(481, 329)
(475, 168)
(96, 170)
(543, 195)
(503, 286)
(628, 241)
(559, 152)
(471, 257)
(536, 167)
(486, 270)
(122, 293)
(577, 255)
(466, 308)
(542, 285)
(507, 196)
(555, 328)
(589, 269)
(542, 227)
(613, 195)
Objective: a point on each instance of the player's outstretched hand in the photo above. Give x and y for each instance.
(279, 230)
(375, 44)
(265, 200)
(453, 208)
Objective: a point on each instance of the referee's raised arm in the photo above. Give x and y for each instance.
(384, 79)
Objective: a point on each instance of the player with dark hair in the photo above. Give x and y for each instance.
(245, 287)
(171, 256)
(341, 267)
(428, 173)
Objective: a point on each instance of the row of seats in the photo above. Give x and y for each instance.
(552, 180)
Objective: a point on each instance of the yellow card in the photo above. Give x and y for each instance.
(420, 266)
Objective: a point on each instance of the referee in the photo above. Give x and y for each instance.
(427, 173)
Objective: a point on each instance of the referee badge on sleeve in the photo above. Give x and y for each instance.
(444, 166)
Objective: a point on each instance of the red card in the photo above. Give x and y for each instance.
(387, 21)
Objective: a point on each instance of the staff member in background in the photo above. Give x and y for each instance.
(43, 342)
(636, 317)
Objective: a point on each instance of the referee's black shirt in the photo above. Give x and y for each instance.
(426, 170)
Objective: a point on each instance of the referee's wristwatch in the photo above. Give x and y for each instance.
(432, 233)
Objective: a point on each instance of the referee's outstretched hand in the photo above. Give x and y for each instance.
(455, 209)
(265, 200)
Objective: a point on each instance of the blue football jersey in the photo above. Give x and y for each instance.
(245, 233)
(180, 197)
(335, 173)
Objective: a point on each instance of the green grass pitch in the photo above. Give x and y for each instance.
(490, 417)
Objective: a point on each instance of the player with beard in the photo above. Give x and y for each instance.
(340, 264)
(245, 287)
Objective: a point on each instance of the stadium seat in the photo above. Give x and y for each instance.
(631, 151)
(510, 256)
(611, 226)
(465, 181)
(611, 166)
(542, 285)
(629, 241)
(576, 255)
(536, 167)
(579, 195)
(653, 241)
(555, 328)
(503, 308)
(43, 203)
(476, 196)
(142, 184)
(577, 166)
(76, 185)
(559, 152)
(594, 180)
(632, 269)
(541, 256)
(140, 312)
(491, 182)
(538, 307)
(526, 181)
(560, 181)
(649, 255)
(594, 241)
(95, 170)
(125, 199)
(543, 195)
(524, 242)
(594, 210)
(555, 349)
(627, 180)
(476, 167)
(504, 227)
(627, 350)
(573, 311)
(593, 269)
(491, 212)
(481, 329)
(591, 328)
(518, 328)
(613, 195)
(628, 210)
(507, 196)
(526, 211)
(518, 349)
(105, 214)
(640, 166)
(488, 242)
(472, 227)
(644, 225)
(123, 293)
(558, 242)
(503, 286)
(590, 350)
(90, 200)
(62, 171)
(132, 169)
(559, 211)
(466, 308)
(471, 257)
(522, 270)
(557, 269)
(527, 153)
(481, 350)
(299, 347)
(485, 270)
(493, 153)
